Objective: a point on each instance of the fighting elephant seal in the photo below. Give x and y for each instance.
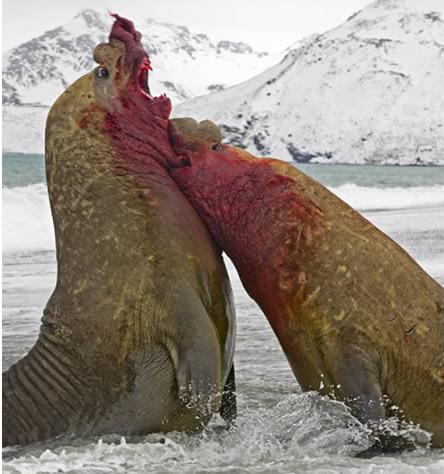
(138, 334)
(356, 316)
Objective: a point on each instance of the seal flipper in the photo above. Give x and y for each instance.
(198, 382)
(228, 408)
(195, 350)
(357, 374)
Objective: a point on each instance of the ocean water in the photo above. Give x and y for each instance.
(279, 429)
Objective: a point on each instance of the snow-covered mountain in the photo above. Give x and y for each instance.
(40, 69)
(185, 65)
(368, 91)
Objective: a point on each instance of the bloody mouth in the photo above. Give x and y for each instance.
(136, 60)
(143, 77)
(138, 125)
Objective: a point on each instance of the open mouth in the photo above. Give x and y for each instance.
(136, 62)
(143, 77)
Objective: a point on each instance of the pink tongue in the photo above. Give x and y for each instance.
(143, 77)
(146, 65)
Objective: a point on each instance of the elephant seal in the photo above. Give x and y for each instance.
(356, 317)
(138, 335)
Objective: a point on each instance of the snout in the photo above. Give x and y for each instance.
(187, 132)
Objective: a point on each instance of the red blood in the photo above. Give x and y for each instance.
(123, 30)
(83, 122)
(136, 122)
(257, 217)
(146, 65)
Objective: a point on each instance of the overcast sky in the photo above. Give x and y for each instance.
(270, 25)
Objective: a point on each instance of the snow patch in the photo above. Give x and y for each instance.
(368, 91)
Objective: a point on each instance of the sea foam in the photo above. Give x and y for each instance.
(27, 221)
(365, 198)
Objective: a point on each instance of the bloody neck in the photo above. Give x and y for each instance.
(257, 217)
(139, 131)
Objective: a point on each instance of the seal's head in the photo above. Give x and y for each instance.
(256, 213)
(122, 71)
(113, 102)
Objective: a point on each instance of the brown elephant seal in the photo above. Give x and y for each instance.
(138, 335)
(356, 317)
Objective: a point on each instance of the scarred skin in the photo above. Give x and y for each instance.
(138, 335)
(356, 317)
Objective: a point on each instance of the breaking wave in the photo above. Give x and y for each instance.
(27, 222)
(366, 198)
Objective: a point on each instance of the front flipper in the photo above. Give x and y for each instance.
(198, 380)
(228, 408)
(356, 375)
(386, 443)
(195, 349)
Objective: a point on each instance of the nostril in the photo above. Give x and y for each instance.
(185, 161)
(217, 147)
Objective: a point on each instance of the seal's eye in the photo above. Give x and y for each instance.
(102, 72)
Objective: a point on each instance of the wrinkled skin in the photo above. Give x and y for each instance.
(138, 335)
(357, 318)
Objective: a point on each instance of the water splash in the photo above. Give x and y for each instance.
(302, 432)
